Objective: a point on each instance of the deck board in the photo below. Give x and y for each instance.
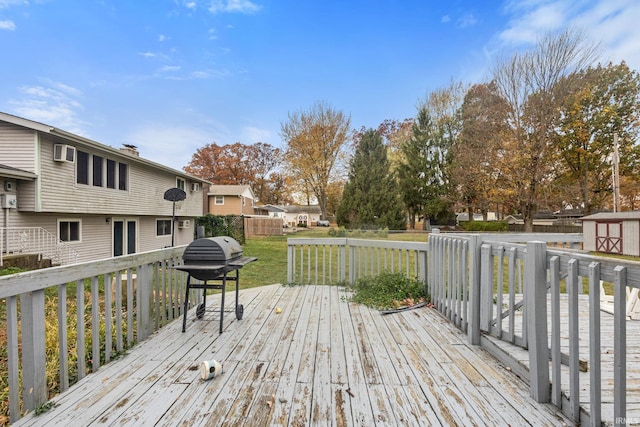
(322, 361)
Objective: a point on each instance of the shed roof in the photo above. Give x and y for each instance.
(613, 215)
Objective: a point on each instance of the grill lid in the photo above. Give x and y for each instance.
(208, 250)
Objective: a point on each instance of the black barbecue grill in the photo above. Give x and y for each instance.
(210, 260)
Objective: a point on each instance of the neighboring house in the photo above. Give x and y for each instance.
(100, 200)
(295, 215)
(612, 232)
(231, 200)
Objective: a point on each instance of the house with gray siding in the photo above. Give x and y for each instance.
(100, 200)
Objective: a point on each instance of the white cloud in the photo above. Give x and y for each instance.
(467, 20)
(7, 25)
(170, 68)
(234, 6)
(172, 146)
(5, 4)
(614, 23)
(251, 135)
(162, 38)
(199, 74)
(55, 104)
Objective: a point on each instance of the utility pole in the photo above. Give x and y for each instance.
(615, 184)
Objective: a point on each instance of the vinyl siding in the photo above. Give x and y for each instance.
(144, 196)
(18, 147)
(55, 194)
(97, 233)
(589, 233)
(232, 206)
(631, 238)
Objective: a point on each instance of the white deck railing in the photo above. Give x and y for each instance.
(35, 240)
(119, 300)
(462, 275)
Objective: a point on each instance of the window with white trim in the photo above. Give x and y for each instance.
(180, 183)
(163, 227)
(219, 200)
(69, 230)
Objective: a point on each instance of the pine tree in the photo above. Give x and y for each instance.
(370, 199)
(423, 176)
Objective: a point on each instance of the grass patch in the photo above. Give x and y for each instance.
(271, 267)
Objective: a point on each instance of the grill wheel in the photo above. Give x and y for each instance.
(200, 311)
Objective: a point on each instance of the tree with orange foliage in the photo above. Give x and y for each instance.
(237, 164)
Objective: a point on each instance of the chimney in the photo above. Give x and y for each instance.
(131, 150)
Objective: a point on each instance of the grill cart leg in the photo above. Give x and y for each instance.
(239, 307)
(186, 305)
(224, 287)
(201, 308)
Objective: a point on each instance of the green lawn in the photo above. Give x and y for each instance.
(271, 267)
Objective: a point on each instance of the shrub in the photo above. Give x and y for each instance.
(387, 290)
(485, 225)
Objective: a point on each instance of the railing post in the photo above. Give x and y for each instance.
(486, 287)
(473, 328)
(34, 360)
(535, 288)
(620, 347)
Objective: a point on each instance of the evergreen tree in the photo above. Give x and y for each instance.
(370, 198)
(423, 176)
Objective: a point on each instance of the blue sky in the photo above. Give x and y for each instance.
(171, 76)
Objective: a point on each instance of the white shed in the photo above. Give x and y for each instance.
(612, 232)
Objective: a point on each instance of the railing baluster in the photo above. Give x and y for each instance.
(512, 294)
(13, 358)
(95, 325)
(119, 337)
(80, 328)
(108, 318)
(500, 291)
(63, 338)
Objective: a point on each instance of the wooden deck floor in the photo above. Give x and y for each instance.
(321, 361)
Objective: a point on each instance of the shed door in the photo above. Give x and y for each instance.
(609, 237)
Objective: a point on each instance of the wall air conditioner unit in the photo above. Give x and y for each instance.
(195, 186)
(64, 153)
(9, 201)
(184, 223)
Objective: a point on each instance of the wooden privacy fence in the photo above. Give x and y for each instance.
(511, 287)
(127, 298)
(263, 226)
